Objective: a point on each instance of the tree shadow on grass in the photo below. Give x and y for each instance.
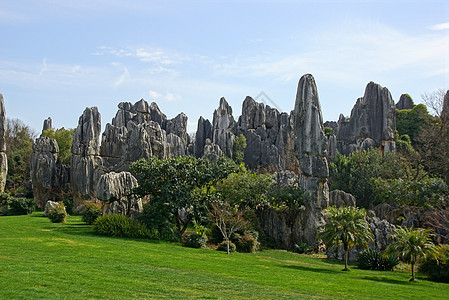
(311, 269)
(385, 280)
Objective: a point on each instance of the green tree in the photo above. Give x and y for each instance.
(19, 139)
(172, 184)
(411, 244)
(411, 121)
(238, 149)
(64, 137)
(347, 226)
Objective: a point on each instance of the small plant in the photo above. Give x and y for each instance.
(247, 244)
(371, 259)
(91, 213)
(224, 247)
(122, 226)
(58, 213)
(196, 241)
(438, 268)
(302, 248)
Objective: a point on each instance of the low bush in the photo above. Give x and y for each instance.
(91, 213)
(247, 243)
(302, 248)
(58, 214)
(371, 259)
(224, 247)
(437, 269)
(158, 219)
(121, 226)
(196, 240)
(18, 206)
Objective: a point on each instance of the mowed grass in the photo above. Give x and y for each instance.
(39, 259)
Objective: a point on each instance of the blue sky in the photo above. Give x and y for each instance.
(58, 57)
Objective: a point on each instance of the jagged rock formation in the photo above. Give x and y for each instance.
(115, 191)
(445, 109)
(3, 158)
(86, 164)
(48, 124)
(405, 102)
(310, 149)
(222, 126)
(48, 174)
(211, 151)
(372, 122)
(203, 133)
(340, 198)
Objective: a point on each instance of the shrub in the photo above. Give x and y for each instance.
(247, 243)
(438, 268)
(214, 235)
(91, 213)
(17, 206)
(196, 240)
(58, 213)
(158, 219)
(224, 247)
(121, 226)
(302, 248)
(371, 259)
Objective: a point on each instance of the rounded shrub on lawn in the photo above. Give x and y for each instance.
(121, 226)
(371, 259)
(247, 243)
(224, 247)
(58, 213)
(19, 206)
(437, 269)
(196, 240)
(92, 212)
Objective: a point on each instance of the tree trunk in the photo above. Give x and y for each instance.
(346, 258)
(227, 245)
(413, 272)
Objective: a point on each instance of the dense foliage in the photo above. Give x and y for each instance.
(238, 149)
(91, 213)
(411, 121)
(19, 145)
(437, 268)
(347, 226)
(16, 205)
(371, 259)
(121, 226)
(58, 213)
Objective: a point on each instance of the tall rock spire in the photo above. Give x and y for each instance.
(3, 158)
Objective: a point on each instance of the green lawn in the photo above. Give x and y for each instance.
(39, 259)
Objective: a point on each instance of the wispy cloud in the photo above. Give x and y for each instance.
(44, 66)
(441, 26)
(143, 54)
(166, 96)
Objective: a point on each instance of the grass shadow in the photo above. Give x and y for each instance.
(309, 269)
(385, 280)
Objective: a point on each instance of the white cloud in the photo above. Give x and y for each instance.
(44, 66)
(125, 76)
(441, 26)
(167, 96)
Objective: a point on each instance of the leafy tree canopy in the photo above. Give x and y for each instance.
(64, 137)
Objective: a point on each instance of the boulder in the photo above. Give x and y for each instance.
(405, 102)
(48, 206)
(115, 190)
(340, 198)
(3, 158)
(48, 175)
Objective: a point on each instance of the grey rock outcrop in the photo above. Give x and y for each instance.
(445, 109)
(340, 198)
(86, 164)
(203, 132)
(405, 102)
(115, 192)
(211, 151)
(48, 124)
(222, 127)
(48, 175)
(3, 158)
(374, 117)
(48, 206)
(310, 149)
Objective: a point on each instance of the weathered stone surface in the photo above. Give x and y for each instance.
(211, 151)
(373, 116)
(3, 158)
(115, 191)
(286, 178)
(178, 126)
(86, 165)
(331, 146)
(48, 124)
(48, 175)
(445, 109)
(48, 206)
(203, 132)
(340, 198)
(222, 126)
(405, 102)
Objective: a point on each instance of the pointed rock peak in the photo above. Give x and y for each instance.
(405, 102)
(445, 110)
(307, 96)
(47, 124)
(142, 106)
(224, 108)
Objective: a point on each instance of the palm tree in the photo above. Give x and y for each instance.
(411, 244)
(347, 226)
